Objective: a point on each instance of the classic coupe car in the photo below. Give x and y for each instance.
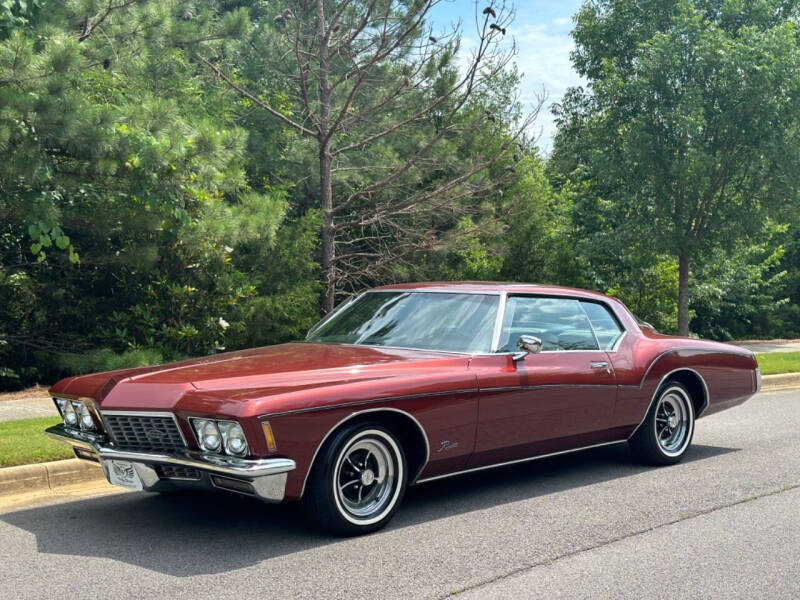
(401, 385)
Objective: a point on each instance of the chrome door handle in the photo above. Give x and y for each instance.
(600, 364)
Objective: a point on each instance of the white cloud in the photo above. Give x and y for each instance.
(542, 33)
(544, 61)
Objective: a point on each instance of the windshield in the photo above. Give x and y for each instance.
(452, 322)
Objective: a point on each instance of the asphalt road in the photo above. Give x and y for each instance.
(725, 523)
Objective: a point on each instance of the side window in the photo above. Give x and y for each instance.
(560, 323)
(606, 327)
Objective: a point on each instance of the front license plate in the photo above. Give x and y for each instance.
(122, 473)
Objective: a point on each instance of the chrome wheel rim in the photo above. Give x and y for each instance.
(366, 476)
(673, 421)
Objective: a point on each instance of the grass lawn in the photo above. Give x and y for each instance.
(23, 442)
(779, 362)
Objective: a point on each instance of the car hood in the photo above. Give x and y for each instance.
(258, 372)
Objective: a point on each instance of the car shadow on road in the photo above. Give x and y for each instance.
(191, 533)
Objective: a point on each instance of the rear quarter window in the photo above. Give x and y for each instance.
(605, 324)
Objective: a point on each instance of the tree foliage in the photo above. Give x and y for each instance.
(383, 106)
(689, 126)
(182, 177)
(124, 194)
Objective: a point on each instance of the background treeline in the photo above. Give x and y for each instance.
(180, 178)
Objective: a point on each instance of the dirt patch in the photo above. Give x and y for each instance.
(37, 391)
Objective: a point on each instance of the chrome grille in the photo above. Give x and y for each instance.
(144, 432)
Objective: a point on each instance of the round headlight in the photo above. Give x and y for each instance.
(209, 437)
(87, 422)
(236, 445)
(70, 416)
(233, 436)
(211, 441)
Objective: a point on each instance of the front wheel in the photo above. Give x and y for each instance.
(357, 481)
(665, 434)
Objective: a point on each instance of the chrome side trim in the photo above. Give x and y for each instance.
(142, 413)
(617, 344)
(434, 291)
(591, 326)
(547, 386)
(595, 351)
(705, 404)
(653, 364)
(673, 350)
(337, 309)
(498, 323)
(366, 403)
(519, 460)
(456, 352)
(362, 412)
(615, 316)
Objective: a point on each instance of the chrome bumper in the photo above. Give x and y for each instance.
(266, 477)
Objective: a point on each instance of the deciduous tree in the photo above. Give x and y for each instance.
(384, 101)
(689, 123)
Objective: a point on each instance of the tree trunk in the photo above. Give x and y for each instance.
(683, 293)
(328, 248)
(326, 190)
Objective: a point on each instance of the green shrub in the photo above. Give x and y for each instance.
(105, 359)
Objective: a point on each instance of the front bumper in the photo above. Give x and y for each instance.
(263, 478)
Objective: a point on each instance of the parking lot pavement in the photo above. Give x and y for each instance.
(27, 408)
(771, 346)
(722, 524)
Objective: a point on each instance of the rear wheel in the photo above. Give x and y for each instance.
(357, 481)
(665, 434)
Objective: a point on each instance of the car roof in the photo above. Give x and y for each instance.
(496, 287)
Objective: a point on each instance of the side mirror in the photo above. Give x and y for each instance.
(528, 344)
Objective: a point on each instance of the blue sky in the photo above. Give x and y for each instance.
(541, 29)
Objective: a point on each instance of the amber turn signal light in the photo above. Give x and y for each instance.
(268, 436)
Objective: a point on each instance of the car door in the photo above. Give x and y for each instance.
(558, 399)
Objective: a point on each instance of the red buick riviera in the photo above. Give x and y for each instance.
(401, 385)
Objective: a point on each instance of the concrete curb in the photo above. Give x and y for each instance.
(776, 382)
(49, 475)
